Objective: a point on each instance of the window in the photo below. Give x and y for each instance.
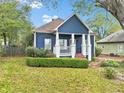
(120, 48)
(48, 43)
(63, 43)
(102, 46)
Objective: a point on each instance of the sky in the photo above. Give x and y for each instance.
(41, 14)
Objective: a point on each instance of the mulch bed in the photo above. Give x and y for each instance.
(102, 58)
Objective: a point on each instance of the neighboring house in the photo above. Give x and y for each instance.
(66, 38)
(112, 44)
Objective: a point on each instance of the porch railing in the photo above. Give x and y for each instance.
(64, 50)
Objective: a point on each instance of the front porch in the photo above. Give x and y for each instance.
(65, 51)
(68, 45)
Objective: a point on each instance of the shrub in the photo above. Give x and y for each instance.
(57, 62)
(2, 51)
(98, 51)
(41, 53)
(35, 52)
(50, 54)
(109, 73)
(30, 51)
(112, 54)
(93, 59)
(110, 63)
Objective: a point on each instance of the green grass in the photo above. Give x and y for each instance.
(16, 77)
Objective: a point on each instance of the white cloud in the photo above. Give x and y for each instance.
(36, 4)
(55, 17)
(47, 18)
(23, 1)
(33, 4)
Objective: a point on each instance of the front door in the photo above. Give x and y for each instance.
(78, 45)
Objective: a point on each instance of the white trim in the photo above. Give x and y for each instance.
(72, 37)
(73, 46)
(50, 43)
(64, 42)
(70, 33)
(119, 48)
(44, 32)
(65, 54)
(94, 46)
(83, 45)
(57, 45)
(89, 47)
(35, 39)
(63, 22)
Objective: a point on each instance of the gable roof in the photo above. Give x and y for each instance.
(82, 22)
(56, 23)
(113, 38)
(50, 27)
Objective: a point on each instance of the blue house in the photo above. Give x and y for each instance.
(67, 38)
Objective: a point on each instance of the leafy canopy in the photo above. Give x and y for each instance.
(14, 19)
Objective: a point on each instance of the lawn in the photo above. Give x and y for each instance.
(16, 77)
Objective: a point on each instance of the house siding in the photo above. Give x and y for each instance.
(73, 25)
(108, 48)
(40, 37)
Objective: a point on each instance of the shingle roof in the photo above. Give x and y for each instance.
(54, 24)
(50, 27)
(114, 37)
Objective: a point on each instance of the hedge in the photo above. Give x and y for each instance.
(57, 62)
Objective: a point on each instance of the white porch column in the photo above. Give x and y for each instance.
(94, 46)
(73, 46)
(34, 39)
(57, 45)
(83, 45)
(89, 47)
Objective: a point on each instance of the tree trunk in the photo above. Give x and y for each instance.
(4, 38)
(115, 7)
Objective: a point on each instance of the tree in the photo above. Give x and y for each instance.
(115, 7)
(103, 26)
(14, 19)
(27, 39)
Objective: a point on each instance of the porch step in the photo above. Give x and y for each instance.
(79, 55)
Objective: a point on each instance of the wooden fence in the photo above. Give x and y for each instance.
(12, 51)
